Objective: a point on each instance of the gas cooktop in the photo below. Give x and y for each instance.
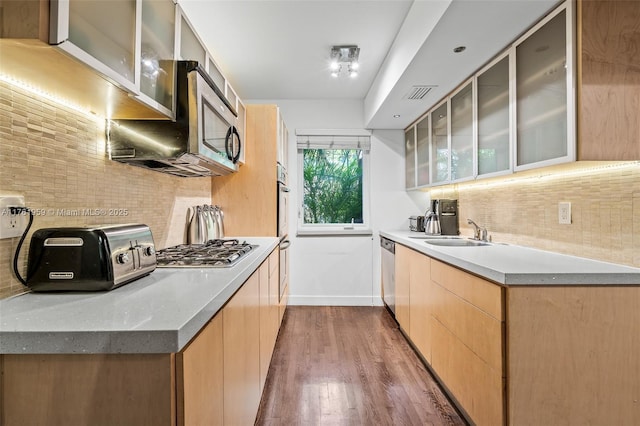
(212, 254)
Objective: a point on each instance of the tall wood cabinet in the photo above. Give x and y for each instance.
(608, 80)
(249, 197)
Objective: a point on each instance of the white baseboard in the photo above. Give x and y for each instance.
(335, 301)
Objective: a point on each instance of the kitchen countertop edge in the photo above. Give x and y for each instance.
(460, 257)
(17, 340)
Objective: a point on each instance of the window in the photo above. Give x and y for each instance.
(333, 179)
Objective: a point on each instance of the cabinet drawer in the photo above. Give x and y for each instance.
(483, 294)
(477, 330)
(477, 386)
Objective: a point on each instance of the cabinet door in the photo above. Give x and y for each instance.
(462, 166)
(200, 376)
(157, 39)
(410, 157)
(419, 306)
(609, 91)
(494, 153)
(241, 346)
(422, 151)
(105, 31)
(190, 46)
(266, 328)
(216, 75)
(274, 292)
(542, 71)
(402, 264)
(440, 143)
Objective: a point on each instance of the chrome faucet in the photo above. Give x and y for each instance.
(478, 233)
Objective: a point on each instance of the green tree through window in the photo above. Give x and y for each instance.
(332, 186)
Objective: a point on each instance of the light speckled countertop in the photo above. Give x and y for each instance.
(159, 313)
(513, 265)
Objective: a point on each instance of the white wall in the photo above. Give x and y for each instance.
(344, 270)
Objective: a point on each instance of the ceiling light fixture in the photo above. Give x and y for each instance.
(345, 55)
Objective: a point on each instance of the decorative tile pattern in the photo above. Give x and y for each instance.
(605, 207)
(55, 157)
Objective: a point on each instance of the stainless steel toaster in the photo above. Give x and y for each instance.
(89, 259)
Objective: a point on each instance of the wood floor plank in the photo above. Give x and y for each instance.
(349, 366)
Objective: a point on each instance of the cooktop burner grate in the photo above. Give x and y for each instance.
(212, 254)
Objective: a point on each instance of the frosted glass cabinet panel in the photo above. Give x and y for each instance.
(541, 94)
(410, 157)
(157, 50)
(216, 75)
(493, 119)
(462, 133)
(440, 144)
(190, 47)
(106, 30)
(422, 151)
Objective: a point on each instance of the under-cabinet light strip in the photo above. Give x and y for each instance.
(41, 93)
(543, 176)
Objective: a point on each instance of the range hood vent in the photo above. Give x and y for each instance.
(418, 92)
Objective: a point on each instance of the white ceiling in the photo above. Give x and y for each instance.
(279, 49)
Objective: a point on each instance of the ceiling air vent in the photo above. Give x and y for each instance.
(418, 92)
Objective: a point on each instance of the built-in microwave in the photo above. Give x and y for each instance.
(202, 141)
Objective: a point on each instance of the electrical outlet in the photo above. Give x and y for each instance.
(11, 225)
(564, 213)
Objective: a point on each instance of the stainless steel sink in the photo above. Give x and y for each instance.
(457, 242)
(435, 237)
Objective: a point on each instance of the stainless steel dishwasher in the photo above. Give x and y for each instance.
(388, 266)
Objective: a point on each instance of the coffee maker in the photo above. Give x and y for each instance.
(448, 217)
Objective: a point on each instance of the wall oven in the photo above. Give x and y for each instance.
(283, 227)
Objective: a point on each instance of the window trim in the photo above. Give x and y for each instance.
(356, 229)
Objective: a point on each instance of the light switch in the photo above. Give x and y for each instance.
(564, 213)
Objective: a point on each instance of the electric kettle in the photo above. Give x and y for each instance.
(432, 223)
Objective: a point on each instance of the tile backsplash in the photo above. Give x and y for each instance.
(605, 204)
(55, 157)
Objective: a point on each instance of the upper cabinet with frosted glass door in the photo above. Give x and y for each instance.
(107, 36)
(462, 133)
(440, 144)
(157, 52)
(423, 148)
(410, 157)
(515, 113)
(494, 118)
(544, 90)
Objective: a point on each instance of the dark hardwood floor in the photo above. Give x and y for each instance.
(349, 366)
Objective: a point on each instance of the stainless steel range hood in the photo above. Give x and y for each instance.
(202, 141)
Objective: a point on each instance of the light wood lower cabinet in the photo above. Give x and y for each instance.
(216, 379)
(421, 301)
(241, 332)
(109, 389)
(574, 355)
(467, 345)
(455, 320)
(200, 383)
(403, 260)
(526, 355)
(269, 313)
